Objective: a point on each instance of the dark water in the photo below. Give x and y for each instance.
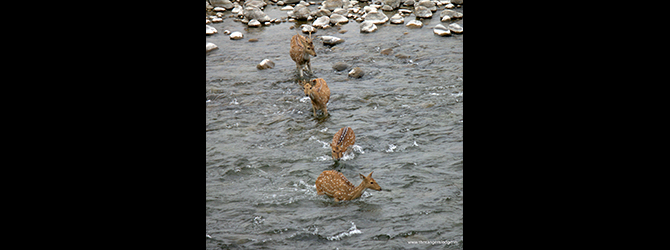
(265, 149)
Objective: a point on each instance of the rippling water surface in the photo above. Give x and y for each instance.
(265, 149)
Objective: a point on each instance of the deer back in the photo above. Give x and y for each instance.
(343, 139)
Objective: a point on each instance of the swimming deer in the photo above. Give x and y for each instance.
(334, 184)
(342, 140)
(301, 49)
(319, 93)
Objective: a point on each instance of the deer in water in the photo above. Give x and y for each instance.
(301, 49)
(342, 140)
(319, 93)
(334, 184)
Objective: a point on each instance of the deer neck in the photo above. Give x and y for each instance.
(358, 191)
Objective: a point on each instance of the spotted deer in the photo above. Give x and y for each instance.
(334, 184)
(301, 49)
(319, 93)
(342, 140)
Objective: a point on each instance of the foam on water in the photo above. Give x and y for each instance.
(352, 230)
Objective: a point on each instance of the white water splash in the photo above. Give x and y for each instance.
(304, 99)
(234, 102)
(357, 149)
(391, 148)
(352, 230)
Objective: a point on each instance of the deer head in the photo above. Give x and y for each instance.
(369, 182)
(309, 46)
(307, 87)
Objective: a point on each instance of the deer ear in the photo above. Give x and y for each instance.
(370, 175)
(362, 176)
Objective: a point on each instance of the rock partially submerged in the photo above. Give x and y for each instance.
(236, 35)
(356, 72)
(322, 22)
(306, 28)
(440, 30)
(253, 12)
(414, 24)
(337, 19)
(423, 12)
(265, 64)
(209, 30)
(210, 46)
(368, 26)
(454, 27)
(397, 19)
(375, 17)
(331, 40)
(339, 66)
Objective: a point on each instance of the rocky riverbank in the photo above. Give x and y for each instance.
(330, 14)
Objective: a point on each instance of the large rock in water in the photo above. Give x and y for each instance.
(376, 17)
(256, 13)
(222, 3)
(423, 12)
(301, 12)
(428, 4)
(322, 22)
(397, 19)
(210, 46)
(337, 18)
(254, 3)
(454, 27)
(265, 64)
(451, 14)
(332, 4)
(392, 3)
(356, 72)
(209, 30)
(331, 40)
(368, 26)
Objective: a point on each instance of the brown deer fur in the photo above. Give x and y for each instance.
(301, 49)
(334, 184)
(319, 93)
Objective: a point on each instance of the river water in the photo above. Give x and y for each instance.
(265, 149)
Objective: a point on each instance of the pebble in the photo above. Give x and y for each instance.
(386, 51)
(226, 32)
(368, 26)
(236, 35)
(414, 24)
(210, 46)
(265, 64)
(454, 27)
(331, 40)
(356, 72)
(253, 40)
(219, 9)
(217, 20)
(287, 8)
